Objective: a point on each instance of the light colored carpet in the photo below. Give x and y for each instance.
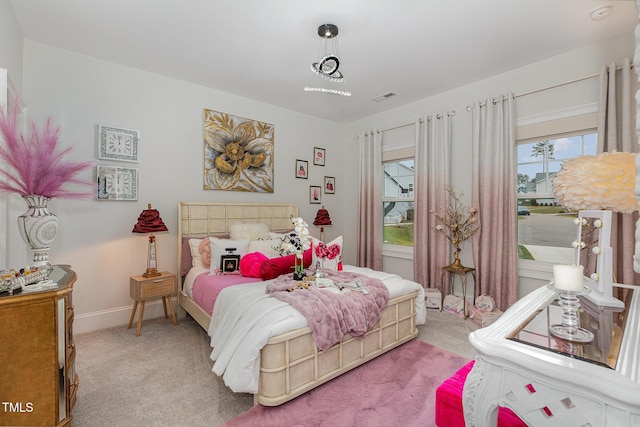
(163, 377)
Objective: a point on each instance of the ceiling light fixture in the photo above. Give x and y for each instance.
(328, 64)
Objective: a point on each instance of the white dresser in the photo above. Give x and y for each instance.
(547, 381)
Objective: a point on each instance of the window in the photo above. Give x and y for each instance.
(397, 202)
(545, 229)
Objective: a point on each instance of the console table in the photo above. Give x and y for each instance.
(548, 381)
(461, 272)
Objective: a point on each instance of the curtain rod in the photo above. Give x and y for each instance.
(438, 116)
(568, 82)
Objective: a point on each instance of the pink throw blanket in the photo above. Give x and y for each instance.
(331, 316)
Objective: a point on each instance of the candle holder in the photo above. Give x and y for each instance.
(570, 329)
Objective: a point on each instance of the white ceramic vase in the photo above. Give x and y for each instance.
(38, 227)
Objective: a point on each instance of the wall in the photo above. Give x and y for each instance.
(95, 236)
(11, 61)
(571, 65)
(10, 44)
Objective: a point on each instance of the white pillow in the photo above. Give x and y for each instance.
(219, 248)
(280, 236)
(196, 257)
(267, 247)
(335, 245)
(248, 231)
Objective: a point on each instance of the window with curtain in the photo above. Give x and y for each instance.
(545, 229)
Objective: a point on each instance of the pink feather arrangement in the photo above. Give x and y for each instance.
(39, 166)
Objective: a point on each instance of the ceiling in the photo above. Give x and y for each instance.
(263, 49)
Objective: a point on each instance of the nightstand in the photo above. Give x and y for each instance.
(149, 288)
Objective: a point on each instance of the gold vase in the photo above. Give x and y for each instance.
(456, 264)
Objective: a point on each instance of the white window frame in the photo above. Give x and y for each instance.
(395, 153)
(569, 122)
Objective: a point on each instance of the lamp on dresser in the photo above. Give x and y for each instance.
(149, 222)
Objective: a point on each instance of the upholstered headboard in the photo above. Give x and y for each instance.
(203, 219)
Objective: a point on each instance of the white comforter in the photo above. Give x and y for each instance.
(245, 317)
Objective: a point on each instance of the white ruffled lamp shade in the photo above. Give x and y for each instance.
(602, 182)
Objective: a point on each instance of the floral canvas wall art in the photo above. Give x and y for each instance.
(238, 153)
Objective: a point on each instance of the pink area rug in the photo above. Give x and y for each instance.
(397, 388)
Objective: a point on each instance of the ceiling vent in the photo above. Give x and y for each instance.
(383, 96)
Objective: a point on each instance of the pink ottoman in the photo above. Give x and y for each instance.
(449, 403)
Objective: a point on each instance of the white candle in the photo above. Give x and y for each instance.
(568, 277)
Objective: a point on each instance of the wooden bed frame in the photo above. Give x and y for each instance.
(290, 363)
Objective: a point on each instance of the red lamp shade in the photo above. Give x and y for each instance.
(149, 222)
(322, 219)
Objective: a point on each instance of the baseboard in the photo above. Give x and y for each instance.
(96, 320)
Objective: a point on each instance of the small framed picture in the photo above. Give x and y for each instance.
(315, 194)
(329, 185)
(302, 169)
(117, 183)
(318, 156)
(229, 263)
(118, 144)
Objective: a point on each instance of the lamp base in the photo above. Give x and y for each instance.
(151, 272)
(570, 329)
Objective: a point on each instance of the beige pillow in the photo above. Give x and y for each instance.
(196, 256)
(267, 247)
(248, 231)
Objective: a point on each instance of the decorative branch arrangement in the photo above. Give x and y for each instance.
(460, 220)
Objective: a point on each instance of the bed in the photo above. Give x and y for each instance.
(288, 362)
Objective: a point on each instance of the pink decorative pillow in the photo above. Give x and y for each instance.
(205, 250)
(250, 264)
(328, 254)
(274, 267)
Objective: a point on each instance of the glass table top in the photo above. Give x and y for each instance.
(606, 323)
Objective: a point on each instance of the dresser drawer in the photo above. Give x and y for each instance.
(153, 288)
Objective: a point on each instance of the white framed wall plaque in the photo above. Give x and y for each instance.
(118, 144)
(116, 183)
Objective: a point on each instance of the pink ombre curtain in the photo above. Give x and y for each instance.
(495, 246)
(432, 250)
(370, 201)
(615, 133)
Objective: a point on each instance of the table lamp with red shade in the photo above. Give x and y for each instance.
(149, 222)
(322, 219)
